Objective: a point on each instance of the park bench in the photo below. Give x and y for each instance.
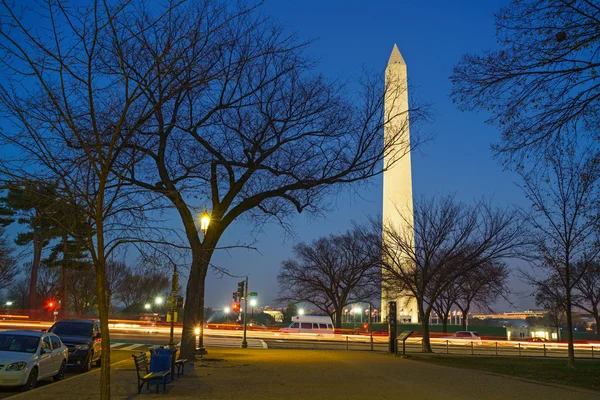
(180, 365)
(145, 376)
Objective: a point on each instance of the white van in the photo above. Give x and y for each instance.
(310, 324)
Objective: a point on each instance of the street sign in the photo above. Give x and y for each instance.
(253, 294)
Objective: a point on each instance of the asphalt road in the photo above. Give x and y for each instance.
(125, 342)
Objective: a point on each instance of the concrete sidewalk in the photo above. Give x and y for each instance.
(305, 374)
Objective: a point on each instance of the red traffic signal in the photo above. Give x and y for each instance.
(51, 304)
(235, 307)
(365, 326)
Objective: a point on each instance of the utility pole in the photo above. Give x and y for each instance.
(244, 342)
(173, 304)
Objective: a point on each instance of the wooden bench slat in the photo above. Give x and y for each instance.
(156, 375)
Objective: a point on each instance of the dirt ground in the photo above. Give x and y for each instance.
(251, 374)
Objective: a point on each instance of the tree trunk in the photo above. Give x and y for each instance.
(424, 316)
(338, 317)
(65, 279)
(465, 315)
(445, 323)
(193, 311)
(571, 348)
(100, 266)
(597, 319)
(35, 264)
(103, 313)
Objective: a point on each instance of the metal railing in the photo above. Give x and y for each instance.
(448, 346)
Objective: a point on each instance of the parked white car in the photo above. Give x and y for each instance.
(28, 356)
(464, 337)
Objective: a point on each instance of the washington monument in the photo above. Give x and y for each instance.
(397, 179)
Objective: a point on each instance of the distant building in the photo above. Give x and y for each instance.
(511, 315)
(527, 332)
(276, 314)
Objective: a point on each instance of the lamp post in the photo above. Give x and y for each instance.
(226, 311)
(252, 304)
(8, 304)
(204, 222)
(301, 311)
(148, 306)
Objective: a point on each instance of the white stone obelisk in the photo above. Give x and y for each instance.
(397, 178)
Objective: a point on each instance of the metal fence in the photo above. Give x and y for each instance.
(441, 346)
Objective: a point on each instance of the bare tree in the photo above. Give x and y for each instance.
(117, 275)
(482, 286)
(331, 273)
(564, 221)
(549, 295)
(82, 291)
(444, 302)
(48, 285)
(587, 296)
(447, 240)
(73, 97)
(18, 293)
(141, 287)
(256, 134)
(541, 84)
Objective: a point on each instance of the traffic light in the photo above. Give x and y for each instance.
(235, 307)
(365, 326)
(235, 297)
(179, 302)
(240, 291)
(51, 304)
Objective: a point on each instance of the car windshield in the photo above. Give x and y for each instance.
(72, 329)
(18, 343)
(476, 334)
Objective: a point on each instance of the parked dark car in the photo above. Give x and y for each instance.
(82, 338)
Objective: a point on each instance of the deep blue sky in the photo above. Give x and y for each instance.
(350, 35)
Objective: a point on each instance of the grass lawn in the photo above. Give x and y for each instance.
(585, 374)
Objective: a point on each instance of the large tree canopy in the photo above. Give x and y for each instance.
(541, 83)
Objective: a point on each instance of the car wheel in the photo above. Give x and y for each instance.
(61, 372)
(87, 366)
(31, 381)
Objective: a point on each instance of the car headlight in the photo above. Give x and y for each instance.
(18, 366)
(82, 347)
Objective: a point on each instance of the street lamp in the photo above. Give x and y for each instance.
(301, 311)
(226, 310)
(159, 300)
(147, 306)
(204, 221)
(252, 304)
(359, 311)
(9, 303)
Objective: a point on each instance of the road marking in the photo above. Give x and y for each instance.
(116, 344)
(133, 346)
(264, 344)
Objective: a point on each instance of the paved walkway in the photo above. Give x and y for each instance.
(303, 374)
